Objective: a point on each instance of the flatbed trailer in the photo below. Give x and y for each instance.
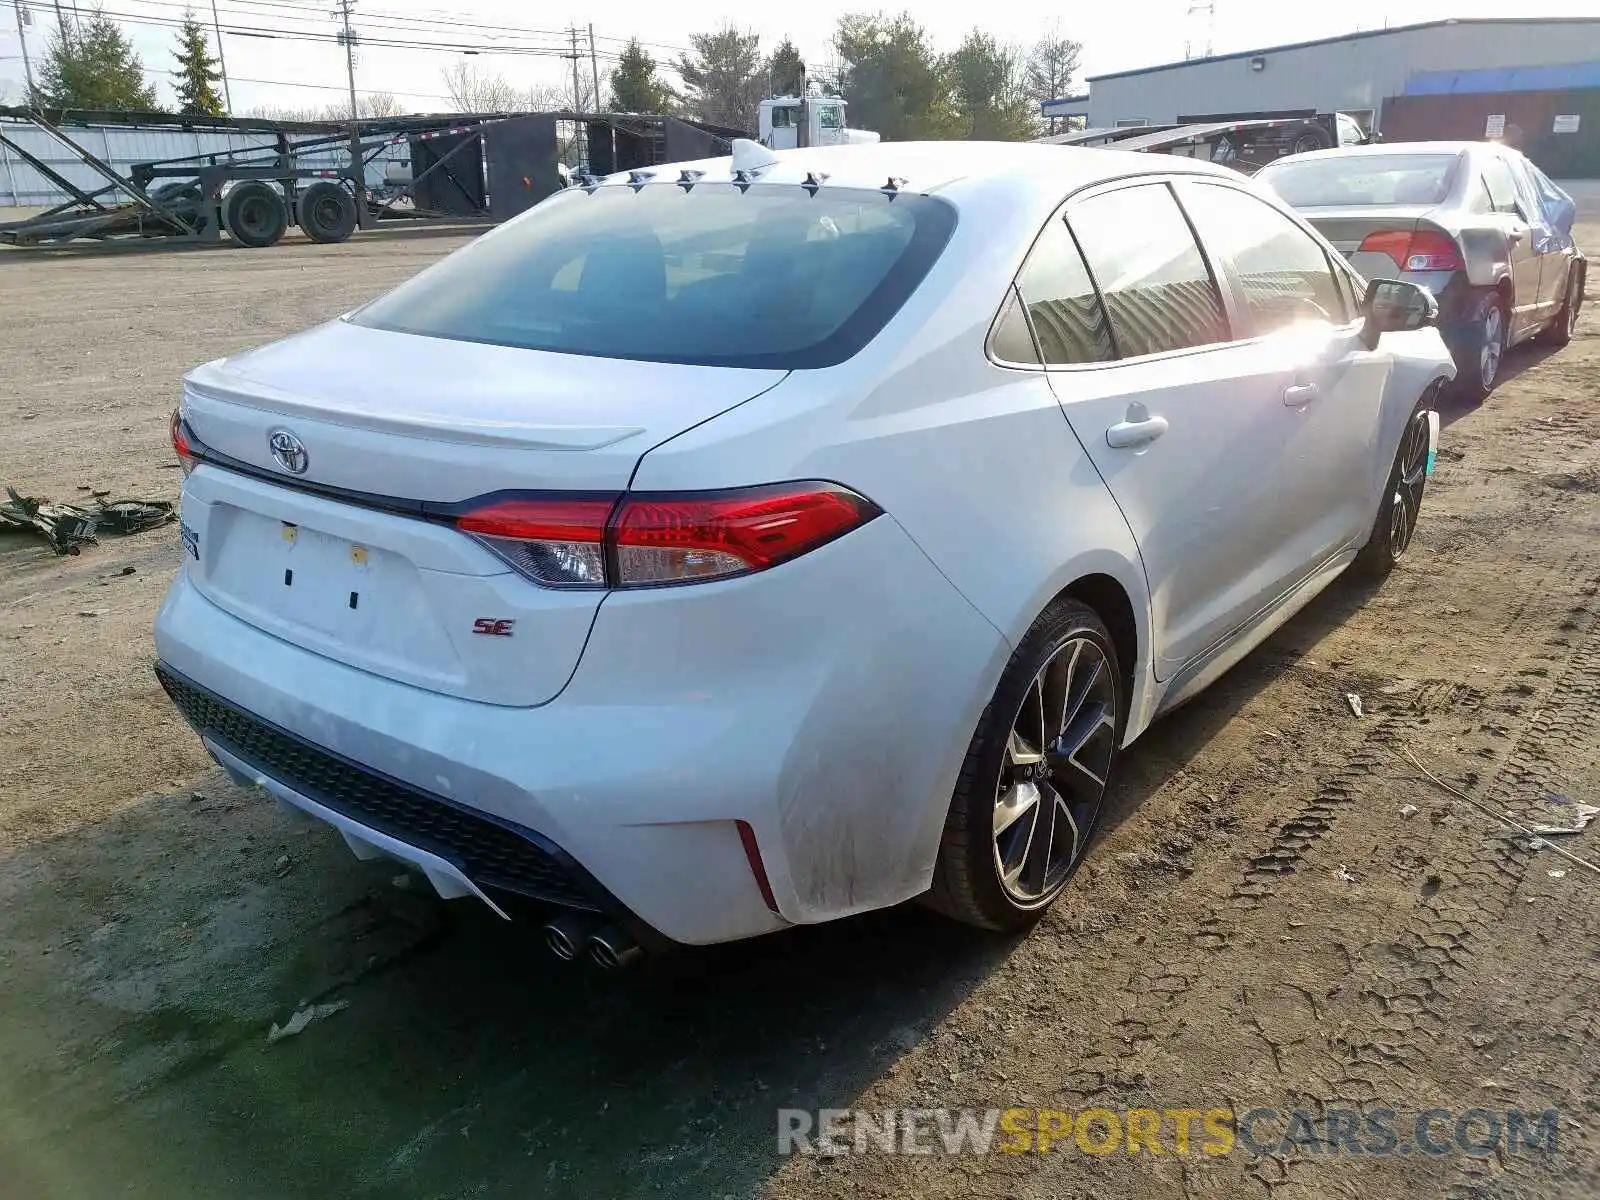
(463, 167)
(1244, 143)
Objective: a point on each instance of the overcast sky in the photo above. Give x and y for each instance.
(1115, 36)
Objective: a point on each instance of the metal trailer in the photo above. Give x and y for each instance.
(465, 167)
(1245, 144)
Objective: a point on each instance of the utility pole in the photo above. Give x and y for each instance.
(594, 65)
(577, 94)
(349, 40)
(222, 60)
(61, 22)
(27, 64)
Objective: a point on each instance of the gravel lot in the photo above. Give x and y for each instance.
(1262, 924)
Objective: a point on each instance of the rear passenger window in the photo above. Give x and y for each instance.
(1282, 270)
(1502, 191)
(1067, 317)
(1157, 288)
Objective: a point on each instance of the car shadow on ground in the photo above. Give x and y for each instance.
(1516, 362)
(470, 1062)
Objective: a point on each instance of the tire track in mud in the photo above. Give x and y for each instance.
(1404, 987)
(1407, 996)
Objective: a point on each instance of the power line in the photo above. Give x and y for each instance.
(284, 10)
(277, 33)
(338, 87)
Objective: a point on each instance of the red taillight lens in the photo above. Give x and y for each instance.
(556, 542)
(1422, 250)
(1432, 251)
(662, 539)
(180, 442)
(676, 539)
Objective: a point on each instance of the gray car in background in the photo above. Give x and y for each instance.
(1474, 222)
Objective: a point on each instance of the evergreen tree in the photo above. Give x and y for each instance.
(724, 77)
(893, 79)
(197, 74)
(94, 66)
(635, 86)
(986, 84)
(786, 70)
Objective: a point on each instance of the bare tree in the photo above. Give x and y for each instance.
(475, 91)
(373, 104)
(1050, 67)
(552, 97)
(379, 104)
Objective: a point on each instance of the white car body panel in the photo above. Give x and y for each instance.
(826, 703)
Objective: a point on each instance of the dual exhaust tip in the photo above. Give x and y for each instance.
(572, 935)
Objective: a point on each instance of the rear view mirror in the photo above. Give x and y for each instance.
(1395, 306)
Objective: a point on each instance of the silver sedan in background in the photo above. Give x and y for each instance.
(1474, 222)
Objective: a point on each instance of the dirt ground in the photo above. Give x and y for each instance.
(1265, 923)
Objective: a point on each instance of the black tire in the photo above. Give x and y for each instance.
(326, 212)
(1480, 353)
(1560, 330)
(1311, 139)
(255, 214)
(967, 878)
(1396, 522)
(183, 199)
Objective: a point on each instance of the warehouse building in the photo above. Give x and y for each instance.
(1364, 74)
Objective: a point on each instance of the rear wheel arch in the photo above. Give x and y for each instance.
(1110, 601)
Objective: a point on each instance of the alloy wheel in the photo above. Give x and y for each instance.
(1494, 344)
(1406, 503)
(1053, 778)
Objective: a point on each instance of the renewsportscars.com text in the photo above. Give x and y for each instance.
(1475, 1132)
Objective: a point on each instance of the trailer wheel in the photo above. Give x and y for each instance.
(1312, 139)
(327, 213)
(255, 214)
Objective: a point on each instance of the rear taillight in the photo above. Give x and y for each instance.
(674, 539)
(180, 442)
(559, 542)
(646, 540)
(1419, 250)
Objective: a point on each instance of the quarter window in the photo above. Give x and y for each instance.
(1283, 272)
(1066, 313)
(1011, 341)
(1158, 290)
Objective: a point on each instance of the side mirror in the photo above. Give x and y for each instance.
(1395, 306)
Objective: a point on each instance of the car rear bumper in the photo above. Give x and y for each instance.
(827, 704)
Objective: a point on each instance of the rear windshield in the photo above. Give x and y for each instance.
(771, 277)
(1357, 179)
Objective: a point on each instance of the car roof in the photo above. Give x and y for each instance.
(1379, 149)
(958, 170)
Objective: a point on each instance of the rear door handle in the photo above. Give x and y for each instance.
(1298, 395)
(1137, 431)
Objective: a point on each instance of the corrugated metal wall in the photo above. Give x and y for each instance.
(1350, 74)
(1529, 120)
(22, 186)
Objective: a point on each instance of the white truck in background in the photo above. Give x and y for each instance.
(787, 122)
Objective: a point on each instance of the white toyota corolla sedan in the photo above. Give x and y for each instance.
(753, 542)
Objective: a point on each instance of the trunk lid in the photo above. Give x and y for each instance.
(404, 421)
(1346, 227)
